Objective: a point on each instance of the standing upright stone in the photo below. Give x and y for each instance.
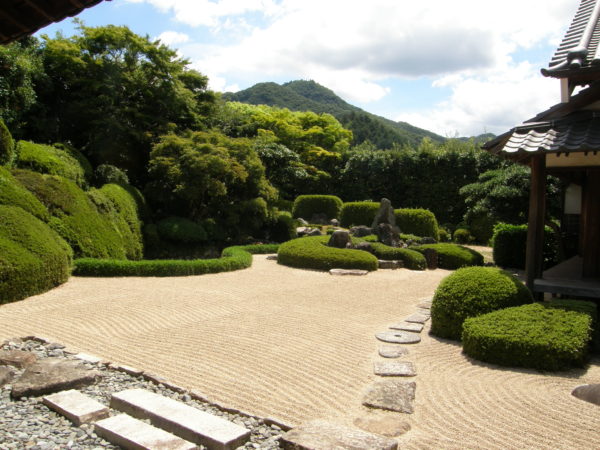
(384, 225)
(385, 214)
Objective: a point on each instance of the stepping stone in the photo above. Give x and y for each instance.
(7, 374)
(588, 392)
(88, 358)
(17, 358)
(48, 376)
(425, 304)
(386, 264)
(394, 369)
(272, 258)
(392, 351)
(355, 272)
(417, 318)
(385, 426)
(321, 435)
(130, 433)
(392, 395)
(424, 311)
(182, 420)
(77, 407)
(127, 369)
(408, 326)
(398, 337)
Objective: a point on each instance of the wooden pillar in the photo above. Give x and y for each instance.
(537, 213)
(590, 226)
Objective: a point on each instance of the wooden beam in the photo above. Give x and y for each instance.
(590, 226)
(537, 212)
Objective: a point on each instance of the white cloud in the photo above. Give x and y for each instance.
(173, 37)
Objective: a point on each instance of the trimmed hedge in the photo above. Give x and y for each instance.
(306, 206)
(180, 229)
(453, 256)
(420, 222)
(358, 213)
(313, 253)
(33, 258)
(588, 307)
(12, 193)
(232, 258)
(470, 292)
(59, 160)
(536, 336)
(7, 146)
(509, 245)
(412, 259)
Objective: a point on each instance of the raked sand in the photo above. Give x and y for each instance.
(297, 345)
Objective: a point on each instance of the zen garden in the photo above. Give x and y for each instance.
(181, 269)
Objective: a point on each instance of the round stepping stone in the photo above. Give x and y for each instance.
(355, 272)
(392, 351)
(408, 326)
(385, 426)
(392, 395)
(394, 369)
(398, 337)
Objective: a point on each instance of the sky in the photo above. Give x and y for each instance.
(457, 68)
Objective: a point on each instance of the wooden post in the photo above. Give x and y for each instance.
(590, 218)
(537, 213)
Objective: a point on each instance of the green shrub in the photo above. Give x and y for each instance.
(53, 160)
(7, 146)
(232, 258)
(33, 258)
(283, 228)
(444, 235)
(107, 173)
(12, 193)
(452, 256)
(358, 213)
(412, 259)
(462, 236)
(470, 292)
(306, 206)
(180, 229)
(481, 227)
(510, 242)
(588, 307)
(536, 336)
(313, 253)
(420, 222)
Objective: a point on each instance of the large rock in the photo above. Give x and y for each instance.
(339, 239)
(364, 246)
(17, 358)
(321, 435)
(48, 376)
(385, 214)
(361, 231)
(392, 395)
(7, 374)
(387, 234)
(588, 392)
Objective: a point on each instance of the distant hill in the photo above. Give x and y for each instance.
(302, 95)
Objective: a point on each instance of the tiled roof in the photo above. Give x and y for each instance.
(579, 49)
(19, 18)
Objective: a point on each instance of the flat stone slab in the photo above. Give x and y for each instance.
(351, 272)
(417, 318)
(48, 376)
(398, 337)
(130, 433)
(385, 426)
(17, 358)
(127, 369)
(392, 351)
(391, 395)
(588, 392)
(390, 264)
(88, 358)
(424, 311)
(394, 369)
(7, 374)
(321, 435)
(408, 326)
(77, 407)
(182, 420)
(425, 303)
(272, 257)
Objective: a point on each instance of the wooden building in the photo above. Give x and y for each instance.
(565, 141)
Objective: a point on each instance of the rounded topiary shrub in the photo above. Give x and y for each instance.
(12, 193)
(462, 236)
(7, 146)
(306, 206)
(510, 242)
(444, 235)
(358, 213)
(453, 256)
(470, 292)
(180, 229)
(420, 222)
(535, 336)
(283, 227)
(107, 173)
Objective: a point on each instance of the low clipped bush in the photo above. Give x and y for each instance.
(470, 292)
(107, 173)
(306, 206)
(510, 242)
(54, 160)
(283, 227)
(12, 193)
(412, 259)
(537, 336)
(33, 258)
(180, 229)
(462, 236)
(584, 306)
(358, 213)
(313, 253)
(453, 256)
(420, 222)
(444, 235)
(7, 146)
(232, 258)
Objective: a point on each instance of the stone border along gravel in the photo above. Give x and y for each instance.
(28, 424)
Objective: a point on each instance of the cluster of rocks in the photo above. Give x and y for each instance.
(32, 368)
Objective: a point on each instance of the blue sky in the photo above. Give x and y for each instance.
(456, 68)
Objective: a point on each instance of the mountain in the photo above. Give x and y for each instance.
(302, 95)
